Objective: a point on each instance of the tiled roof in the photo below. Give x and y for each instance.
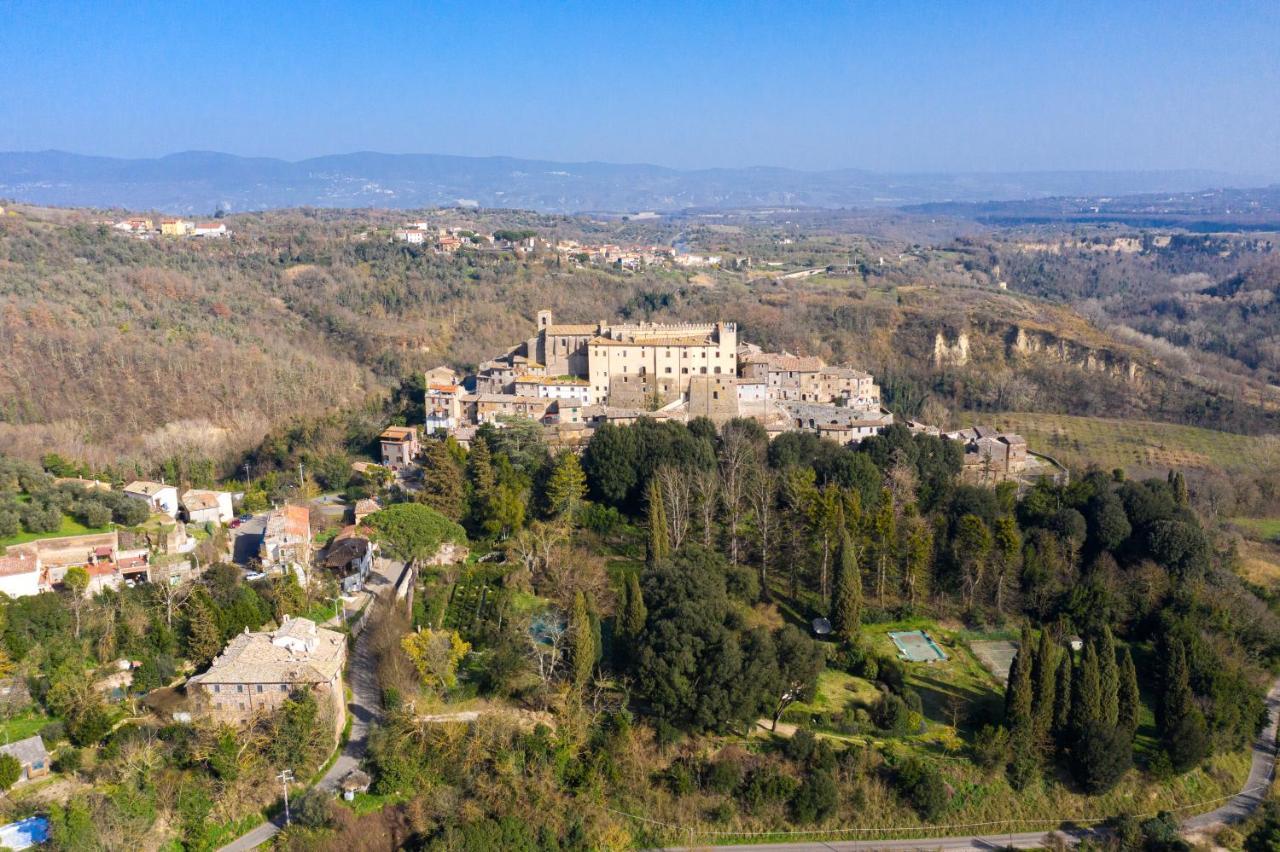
(688, 340)
(397, 433)
(196, 500)
(18, 561)
(571, 328)
(786, 363)
(27, 752)
(297, 652)
(143, 486)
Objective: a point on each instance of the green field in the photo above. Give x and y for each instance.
(70, 526)
(1258, 529)
(1134, 444)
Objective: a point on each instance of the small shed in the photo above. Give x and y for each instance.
(354, 782)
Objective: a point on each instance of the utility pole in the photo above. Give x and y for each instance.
(285, 777)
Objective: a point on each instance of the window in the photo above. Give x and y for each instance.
(717, 371)
(284, 687)
(241, 705)
(259, 687)
(684, 370)
(702, 370)
(217, 688)
(239, 687)
(715, 394)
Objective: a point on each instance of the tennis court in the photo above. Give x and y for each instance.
(996, 655)
(915, 646)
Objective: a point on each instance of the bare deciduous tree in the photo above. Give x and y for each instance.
(738, 457)
(763, 497)
(676, 488)
(706, 488)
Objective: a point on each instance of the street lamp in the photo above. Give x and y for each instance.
(285, 777)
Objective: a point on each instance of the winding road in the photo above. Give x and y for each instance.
(366, 699)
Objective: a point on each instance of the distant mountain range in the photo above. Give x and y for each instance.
(199, 182)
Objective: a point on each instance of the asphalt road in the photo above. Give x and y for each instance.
(365, 702)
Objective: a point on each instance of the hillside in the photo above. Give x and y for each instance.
(116, 347)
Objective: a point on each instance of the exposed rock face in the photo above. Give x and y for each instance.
(950, 354)
(1024, 344)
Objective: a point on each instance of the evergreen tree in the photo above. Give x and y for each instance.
(917, 556)
(1044, 684)
(659, 541)
(1062, 696)
(484, 484)
(204, 639)
(1182, 726)
(846, 608)
(1128, 699)
(443, 487)
(566, 487)
(634, 613)
(1086, 699)
(884, 540)
(1019, 695)
(1179, 484)
(1108, 677)
(583, 642)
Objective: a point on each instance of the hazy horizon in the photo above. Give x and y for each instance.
(910, 88)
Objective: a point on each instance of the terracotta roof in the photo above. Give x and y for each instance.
(293, 522)
(18, 561)
(397, 433)
(367, 506)
(786, 363)
(143, 486)
(573, 328)
(690, 340)
(196, 500)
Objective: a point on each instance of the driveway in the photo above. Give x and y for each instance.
(366, 703)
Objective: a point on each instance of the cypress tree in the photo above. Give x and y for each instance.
(1108, 678)
(583, 642)
(1086, 698)
(1018, 697)
(633, 613)
(659, 543)
(1184, 733)
(846, 608)
(1062, 697)
(1044, 683)
(1128, 699)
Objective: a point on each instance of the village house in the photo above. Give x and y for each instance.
(350, 557)
(176, 227)
(134, 226)
(20, 572)
(399, 446)
(32, 757)
(442, 406)
(363, 509)
(991, 455)
(158, 496)
(209, 229)
(256, 672)
(412, 236)
(207, 507)
(286, 539)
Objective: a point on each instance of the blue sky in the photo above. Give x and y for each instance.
(943, 86)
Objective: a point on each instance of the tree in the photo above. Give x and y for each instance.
(1129, 701)
(1006, 548)
(739, 457)
(436, 654)
(884, 541)
(10, 771)
(1101, 756)
(314, 809)
(1183, 731)
(799, 662)
(1044, 685)
(566, 487)
(1062, 696)
(846, 608)
(659, 538)
(972, 545)
(583, 644)
(677, 489)
(1086, 701)
(1019, 692)
(443, 485)
(633, 614)
(922, 786)
(1266, 836)
(414, 531)
(76, 581)
(762, 495)
(1108, 677)
(204, 639)
(918, 554)
(610, 464)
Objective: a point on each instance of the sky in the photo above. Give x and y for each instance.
(887, 86)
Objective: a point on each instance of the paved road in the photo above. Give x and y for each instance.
(366, 699)
(1239, 806)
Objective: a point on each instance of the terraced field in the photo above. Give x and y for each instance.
(1135, 445)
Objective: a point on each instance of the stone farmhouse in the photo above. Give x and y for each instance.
(256, 672)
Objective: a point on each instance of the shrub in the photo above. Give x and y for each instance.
(816, 798)
(990, 747)
(314, 809)
(54, 732)
(680, 779)
(723, 775)
(892, 715)
(766, 785)
(920, 784)
(10, 771)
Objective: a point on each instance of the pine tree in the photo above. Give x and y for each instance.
(659, 541)
(846, 608)
(204, 639)
(583, 642)
(634, 613)
(1108, 677)
(566, 487)
(1018, 696)
(484, 483)
(1128, 699)
(1062, 696)
(1086, 699)
(443, 487)
(1044, 683)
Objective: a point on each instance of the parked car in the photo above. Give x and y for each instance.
(246, 517)
(254, 575)
(235, 522)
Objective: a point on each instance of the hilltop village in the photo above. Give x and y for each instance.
(572, 377)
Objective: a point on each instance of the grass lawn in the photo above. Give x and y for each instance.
(1135, 444)
(1258, 529)
(70, 526)
(25, 724)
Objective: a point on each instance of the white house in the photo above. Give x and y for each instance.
(202, 507)
(413, 236)
(209, 229)
(569, 389)
(157, 495)
(20, 572)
